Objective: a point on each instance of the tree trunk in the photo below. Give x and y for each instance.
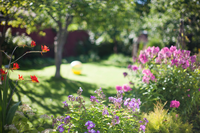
(58, 49)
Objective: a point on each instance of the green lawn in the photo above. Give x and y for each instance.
(47, 96)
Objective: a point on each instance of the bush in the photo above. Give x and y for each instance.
(166, 75)
(119, 116)
(118, 60)
(160, 121)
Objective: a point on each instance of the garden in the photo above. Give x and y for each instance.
(127, 81)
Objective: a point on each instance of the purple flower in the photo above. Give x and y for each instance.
(60, 128)
(174, 104)
(126, 101)
(65, 104)
(129, 66)
(125, 74)
(93, 99)
(66, 119)
(80, 89)
(188, 95)
(111, 99)
(142, 128)
(199, 89)
(146, 120)
(92, 131)
(89, 125)
(98, 131)
(140, 121)
(116, 120)
(105, 111)
(71, 98)
(135, 68)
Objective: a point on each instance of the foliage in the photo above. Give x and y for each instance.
(7, 111)
(27, 120)
(166, 75)
(162, 121)
(118, 60)
(119, 116)
(155, 42)
(174, 22)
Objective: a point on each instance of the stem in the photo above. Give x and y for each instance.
(5, 54)
(27, 53)
(11, 94)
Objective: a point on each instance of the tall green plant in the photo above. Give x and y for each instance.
(7, 90)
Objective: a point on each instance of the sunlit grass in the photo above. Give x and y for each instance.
(47, 96)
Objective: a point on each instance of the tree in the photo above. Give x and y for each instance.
(173, 21)
(9, 10)
(113, 21)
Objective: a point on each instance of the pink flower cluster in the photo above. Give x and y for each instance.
(124, 88)
(174, 104)
(150, 52)
(166, 55)
(148, 76)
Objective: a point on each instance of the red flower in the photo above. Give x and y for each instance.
(34, 79)
(21, 77)
(2, 78)
(33, 44)
(15, 66)
(44, 48)
(2, 72)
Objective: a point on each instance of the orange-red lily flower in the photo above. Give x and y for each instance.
(2, 78)
(15, 66)
(2, 72)
(33, 44)
(44, 48)
(34, 79)
(20, 77)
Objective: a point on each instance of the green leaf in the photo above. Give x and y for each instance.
(11, 113)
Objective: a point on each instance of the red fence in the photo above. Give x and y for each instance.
(69, 48)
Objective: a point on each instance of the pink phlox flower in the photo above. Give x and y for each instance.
(118, 88)
(186, 64)
(146, 72)
(143, 58)
(158, 60)
(145, 79)
(193, 59)
(173, 48)
(174, 104)
(126, 87)
(174, 62)
(154, 51)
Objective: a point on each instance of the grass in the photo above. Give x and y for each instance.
(47, 96)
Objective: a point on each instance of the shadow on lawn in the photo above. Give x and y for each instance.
(54, 92)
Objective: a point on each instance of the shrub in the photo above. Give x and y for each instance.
(168, 74)
(119, 116)
(160, 121)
